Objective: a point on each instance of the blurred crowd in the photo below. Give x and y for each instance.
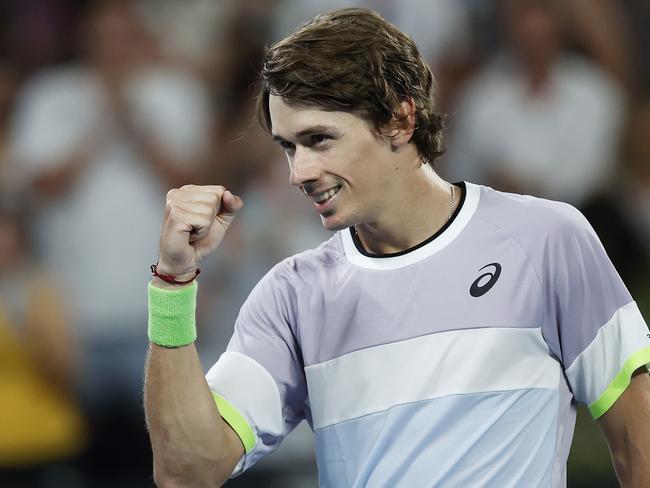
(107, 104)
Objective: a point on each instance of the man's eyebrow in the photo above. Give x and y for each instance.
(316, 129)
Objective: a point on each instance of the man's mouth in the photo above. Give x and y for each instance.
(322, 197)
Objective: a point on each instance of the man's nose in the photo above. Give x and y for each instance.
(304, 167)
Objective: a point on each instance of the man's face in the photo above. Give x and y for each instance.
(336, 160)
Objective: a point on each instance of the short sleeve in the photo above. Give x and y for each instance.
(259, 383)
(592, 321)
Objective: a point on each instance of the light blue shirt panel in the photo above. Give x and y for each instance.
(499, 439)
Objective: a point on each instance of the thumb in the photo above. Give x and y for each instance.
(230, 206)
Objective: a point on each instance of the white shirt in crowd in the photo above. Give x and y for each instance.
(559, 144)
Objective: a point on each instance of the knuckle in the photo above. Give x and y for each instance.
(170, 203)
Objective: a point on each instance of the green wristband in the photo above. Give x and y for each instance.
(172, 321)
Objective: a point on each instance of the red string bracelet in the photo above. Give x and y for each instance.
(171, 278)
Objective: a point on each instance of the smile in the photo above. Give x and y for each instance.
(323, 197)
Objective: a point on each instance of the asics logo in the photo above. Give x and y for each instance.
(480, 287)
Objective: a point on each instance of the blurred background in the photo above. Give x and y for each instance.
(105, 105)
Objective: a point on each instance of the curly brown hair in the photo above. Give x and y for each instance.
(353, 60)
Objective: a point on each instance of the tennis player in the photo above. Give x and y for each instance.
(441, 337)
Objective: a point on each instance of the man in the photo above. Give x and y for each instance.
(438, 339)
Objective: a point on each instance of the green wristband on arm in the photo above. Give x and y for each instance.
(172, 321)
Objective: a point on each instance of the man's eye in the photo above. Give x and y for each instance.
(318, 139)
(287, 146)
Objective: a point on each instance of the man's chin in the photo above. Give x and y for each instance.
(332, 224)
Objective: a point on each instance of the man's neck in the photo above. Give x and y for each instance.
(419, 207)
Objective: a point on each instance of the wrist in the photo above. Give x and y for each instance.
(160, 283)
(184, 277)
(172, 315)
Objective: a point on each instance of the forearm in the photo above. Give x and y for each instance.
(192, 445)
(632, 465)
(55, 181)
(627, 432)
(631, 455)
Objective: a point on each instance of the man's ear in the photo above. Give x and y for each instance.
(401, 126)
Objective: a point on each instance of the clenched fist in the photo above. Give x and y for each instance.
(195, 222)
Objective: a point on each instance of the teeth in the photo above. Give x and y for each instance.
(321, 197)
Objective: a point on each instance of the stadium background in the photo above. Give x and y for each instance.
(105, 105)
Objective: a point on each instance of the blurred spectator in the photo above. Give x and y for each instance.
(637, 189)
(234, 66)
(187, 31)
(212, 38)
(537, 119)
(637, 196)
(41, 420)
(8, 85)
(636, 21)
(97, 145)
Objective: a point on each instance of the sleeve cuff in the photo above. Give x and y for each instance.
(236, 421)
(620, 382)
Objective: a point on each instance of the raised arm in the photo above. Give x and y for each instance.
(192, 445)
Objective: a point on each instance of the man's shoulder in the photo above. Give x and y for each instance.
(282, 287)
(303, 267)
(532, 221)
